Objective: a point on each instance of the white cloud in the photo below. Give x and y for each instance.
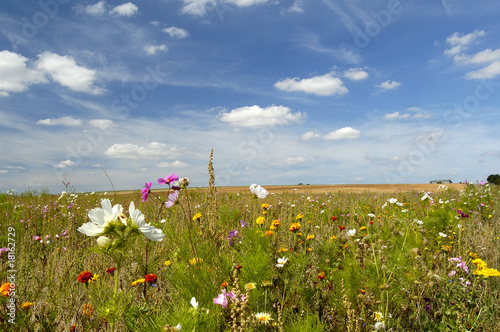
(396, 115)
(65, 163)
(325, 85)
(309, 135)
(490, 71)
(294, 160)
(95, 10)
(153, 150)
(65, 71)
(102, 124)
(459, 43)
(246, 3)
(197, 7)
(175, 32)
(356, 74)
(15, 76)
(174, 164)
(17, 168)
(256, 116)
(3, 171)
(152, 49)
(388, 85)
(485, 56)
(296, 7)
(343, 133)
(65, 121)
(127, 9)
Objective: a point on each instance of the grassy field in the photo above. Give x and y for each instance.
(304, 258)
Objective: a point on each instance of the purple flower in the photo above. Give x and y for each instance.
(172, 198)
(221, 299)
(36, 238)
(169, 179)
(243, 223)
(4, 249)
(145, 191)
(464, 215)
(232, 234)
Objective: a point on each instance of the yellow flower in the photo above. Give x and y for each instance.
(473, 255)
(310, 237)
(333, 238)
(487, 272)
(250, 286)
(260, 220)
(378, 316)
(263, 317)
(27, 304)
(362, 228)
(138, 281)
(265, 206)
(480, 264)
(95, 277)
(275, 224)
(283, 249)
(295, 227)
(168, 263)
(446, 248)
(88, 310)
(197, 216)
(196, 260)
(299, 216)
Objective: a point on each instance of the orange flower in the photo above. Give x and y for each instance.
(321, 275)
(224, 284)
(295, 227)
(5, 289)
(269, 233)
(88, 310)
(151, 278)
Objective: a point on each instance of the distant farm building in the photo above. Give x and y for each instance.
(441, 181)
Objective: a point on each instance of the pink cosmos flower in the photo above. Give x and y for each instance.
(172, 198)
(221, 299)
(145, 191)
(169, 179)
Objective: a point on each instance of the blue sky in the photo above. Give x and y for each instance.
(318, 92)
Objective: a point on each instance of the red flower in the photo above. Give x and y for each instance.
(321, 275)
(151, 278)
(333, 218)
(238, 267)
(111, 270)
(85, 276)
(341, 227)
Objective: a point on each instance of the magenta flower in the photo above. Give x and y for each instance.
(145, 191)
(232, 234)
(4, 249)
(168, 180)
(172, 199)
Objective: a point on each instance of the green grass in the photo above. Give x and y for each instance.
(396, 264)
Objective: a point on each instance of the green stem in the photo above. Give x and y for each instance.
(115, 298)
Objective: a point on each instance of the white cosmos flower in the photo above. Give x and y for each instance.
(178, 327)
(258, 191)
(194, 303)
(351, 232)
(392, 200)
(282, 261)
(442, 234)
(426, 196)
(100, 218)
(150, 232)
(371, 215)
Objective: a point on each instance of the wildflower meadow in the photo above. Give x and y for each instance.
(194, 259)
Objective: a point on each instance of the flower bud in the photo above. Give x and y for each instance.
(184, 182)
(103, 242)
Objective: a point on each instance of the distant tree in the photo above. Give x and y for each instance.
(493, 178)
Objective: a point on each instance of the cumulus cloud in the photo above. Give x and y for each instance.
(65, 71)
(490, 71)
(309, 135)
(288, 161)
(388, 85)
(65, 121)
(355, 74)
(95, 10)
(256, 116)
(15, 75)
(102, 124)
(154, 150)
(173, 164)
(65, 163)
(343, 133)
(324, 85)
(175, 32)
(152, 49)
(296, 7)
(459, 43)
(246, 3)
(197, 7)
(127, 9)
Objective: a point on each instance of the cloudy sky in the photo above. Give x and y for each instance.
(284, 91)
